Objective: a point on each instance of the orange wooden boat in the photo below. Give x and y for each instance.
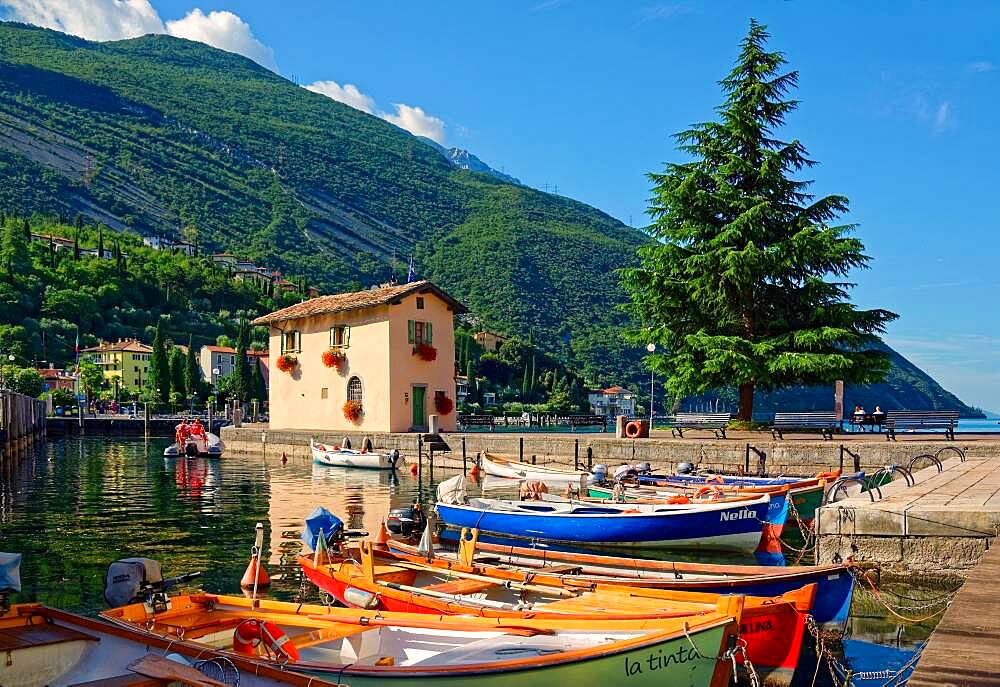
(375, 648)
(773, 628)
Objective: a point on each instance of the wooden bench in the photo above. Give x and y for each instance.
(825, 422)
(714, 422)
(921, 420)
(477, 421)
(582, 420)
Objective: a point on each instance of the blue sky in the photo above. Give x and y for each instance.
(898, 105)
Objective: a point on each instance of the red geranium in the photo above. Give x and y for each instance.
(443, 404)
(353, 411)
(287, 362)
(334, 358)
(425, 351)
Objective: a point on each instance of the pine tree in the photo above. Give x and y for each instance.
(242, 387)
(734, 287)
(159, 366)
(14, 257)
(192, 372)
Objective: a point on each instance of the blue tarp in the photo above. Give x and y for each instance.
(320, 519)
(10, 572)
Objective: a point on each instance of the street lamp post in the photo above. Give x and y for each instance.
(651, 347)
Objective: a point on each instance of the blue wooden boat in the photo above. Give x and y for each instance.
(733, 526)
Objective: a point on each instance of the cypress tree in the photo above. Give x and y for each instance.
(159, 366)
(192, 372)
(734, 289)
(100, 241)
(242, 387)
(257, 382)
(473, 396)
(525, 385)
(177, 384)
(26, 228)
(532, 381)
(76, 244)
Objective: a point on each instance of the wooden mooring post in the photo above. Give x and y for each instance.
(22, 421)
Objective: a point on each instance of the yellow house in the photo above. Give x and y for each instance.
(126, 361)
(383, 339)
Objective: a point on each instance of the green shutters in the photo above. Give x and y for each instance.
(419, 332)
(340, 336)
(411, 327)
(427, 333)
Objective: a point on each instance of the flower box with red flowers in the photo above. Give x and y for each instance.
(334, 358)
(287, 363)
(443, 404)
(353, 411)
(425, 351)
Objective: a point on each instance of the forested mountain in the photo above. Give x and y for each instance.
(170, 137)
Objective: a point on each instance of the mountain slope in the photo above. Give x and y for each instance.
(160, 134)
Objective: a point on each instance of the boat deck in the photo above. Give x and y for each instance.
(965, 648)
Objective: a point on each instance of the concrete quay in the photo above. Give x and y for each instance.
(803, 454)
(937, 529)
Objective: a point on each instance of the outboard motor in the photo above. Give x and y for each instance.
(10, 578)
(394, 458)
(685, 468)
(643, 468)
(406, 521)
(134, 580)
(600, 473)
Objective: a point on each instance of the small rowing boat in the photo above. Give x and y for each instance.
(368, 648)
(499, 466)
(772, 627)
(338, 456)
(835, 582)
(733, 526)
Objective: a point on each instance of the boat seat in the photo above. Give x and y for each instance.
(568, 569)
(461, 587)
(27, 636)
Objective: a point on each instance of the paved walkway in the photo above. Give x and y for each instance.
(961, 501)
(965, 648)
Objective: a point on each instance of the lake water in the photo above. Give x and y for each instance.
(72, 506)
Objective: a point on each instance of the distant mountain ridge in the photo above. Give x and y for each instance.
(463, 159)
(160, 134)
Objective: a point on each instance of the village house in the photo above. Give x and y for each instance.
(217, 362)
(381, 360)
(125, 363)
(56, 378)
(612, 402)
(489, 341)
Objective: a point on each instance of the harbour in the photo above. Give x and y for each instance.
(199, 514)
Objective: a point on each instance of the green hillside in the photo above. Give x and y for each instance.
(162, 136)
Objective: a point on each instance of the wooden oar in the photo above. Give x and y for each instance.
(162, 668)
(538, 589)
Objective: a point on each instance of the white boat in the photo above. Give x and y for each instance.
(207, 445)
(340, 457)
(499, 466)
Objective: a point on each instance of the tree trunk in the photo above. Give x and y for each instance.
(746, 402)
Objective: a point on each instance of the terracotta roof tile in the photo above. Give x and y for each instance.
(356, 300)
(128, 345)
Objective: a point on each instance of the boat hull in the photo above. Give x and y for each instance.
(346, 458)
(735, 527)
(209, 447)
(498, 467)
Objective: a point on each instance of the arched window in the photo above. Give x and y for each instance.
(354, 389)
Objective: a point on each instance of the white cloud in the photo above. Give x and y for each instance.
(416, 121)
(110, 20)
(412, 118)
(223, 30)
(349, 94)
(944, 119)
(659, 11)
(96, 20)
(980, 66)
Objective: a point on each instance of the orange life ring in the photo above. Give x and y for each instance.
(252, 633)
(680, 498)
(713, 492)
(633, 429)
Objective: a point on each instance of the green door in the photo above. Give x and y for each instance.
(419, 416)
